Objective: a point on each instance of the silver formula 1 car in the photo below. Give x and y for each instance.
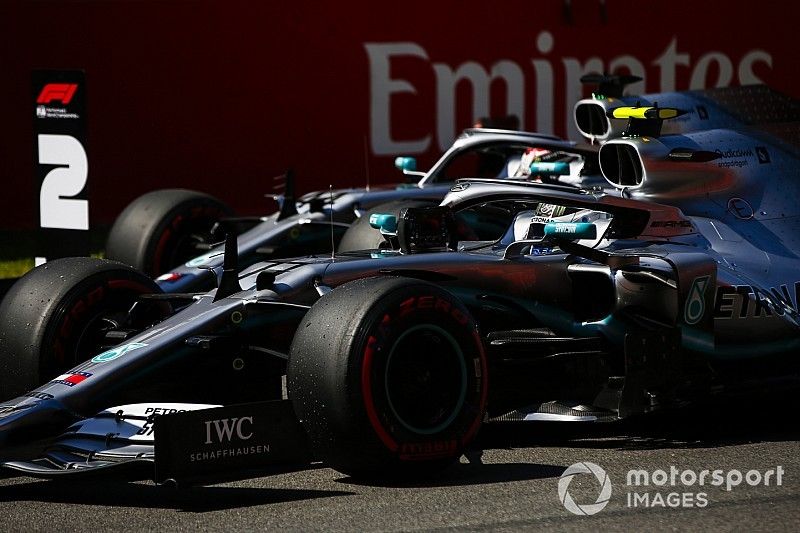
(511, 301)
(172, 234)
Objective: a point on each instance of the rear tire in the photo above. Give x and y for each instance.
(159, 230)
(388, 376)
(54, 317)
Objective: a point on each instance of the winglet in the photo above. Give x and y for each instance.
(610, 85)
(644, 120)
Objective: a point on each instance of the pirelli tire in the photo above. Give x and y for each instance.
(388, 377)
(361, 236)
(56, 315)
(161, 229)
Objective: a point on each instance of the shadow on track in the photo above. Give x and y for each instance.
(473, 473)
(728, 421)
(193, 499)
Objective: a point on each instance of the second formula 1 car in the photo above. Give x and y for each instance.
(172, 235)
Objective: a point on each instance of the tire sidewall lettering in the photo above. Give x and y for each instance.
(384, 331)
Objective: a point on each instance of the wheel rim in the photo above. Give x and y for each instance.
(92, 339)
(425, 379)
(181, 240)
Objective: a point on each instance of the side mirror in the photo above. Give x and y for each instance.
(386, 223)
(405, 163)
(408, 166)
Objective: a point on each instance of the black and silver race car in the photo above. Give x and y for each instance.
(511, 301)
(172, 235)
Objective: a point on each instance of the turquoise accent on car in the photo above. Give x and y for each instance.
(116, 352)
(550, 169)
(385, 222)
(571, 230)
(406, 163)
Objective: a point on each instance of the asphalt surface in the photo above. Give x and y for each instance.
(515, 487)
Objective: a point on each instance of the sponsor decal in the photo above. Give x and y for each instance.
(736, 155)
(695, 303)
(155, 411)
(72, 378)
(170, 277)
(545, 72)
(224, 434)
(148, 428)
(741, 208)
(218, 441)
(117, 352)
(671, 224)
(745, 301)
(566, 227)
(427, 302)
(202, 260)
(256, 449)
(225, 428)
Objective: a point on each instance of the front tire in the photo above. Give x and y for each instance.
(388, 376)
(161, 229)
(55, 317)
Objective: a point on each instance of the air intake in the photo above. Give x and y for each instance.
(591, 120)
(621, 165)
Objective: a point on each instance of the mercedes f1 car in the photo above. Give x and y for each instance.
(172, 234)
(511, 301)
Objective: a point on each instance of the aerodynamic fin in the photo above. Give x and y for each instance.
(287, 200)
(610, 85)
(229, 282)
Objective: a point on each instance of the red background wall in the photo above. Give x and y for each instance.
(221, 95)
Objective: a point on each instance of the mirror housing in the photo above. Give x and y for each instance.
(408, 166)
(386, 223)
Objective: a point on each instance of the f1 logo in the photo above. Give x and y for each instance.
(62, 92)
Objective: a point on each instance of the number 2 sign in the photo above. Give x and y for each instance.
(61, 165)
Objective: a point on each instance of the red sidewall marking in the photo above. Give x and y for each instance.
(94, 296)
(366, 388)
(484, 391)
(162, 243)
(128, 284)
